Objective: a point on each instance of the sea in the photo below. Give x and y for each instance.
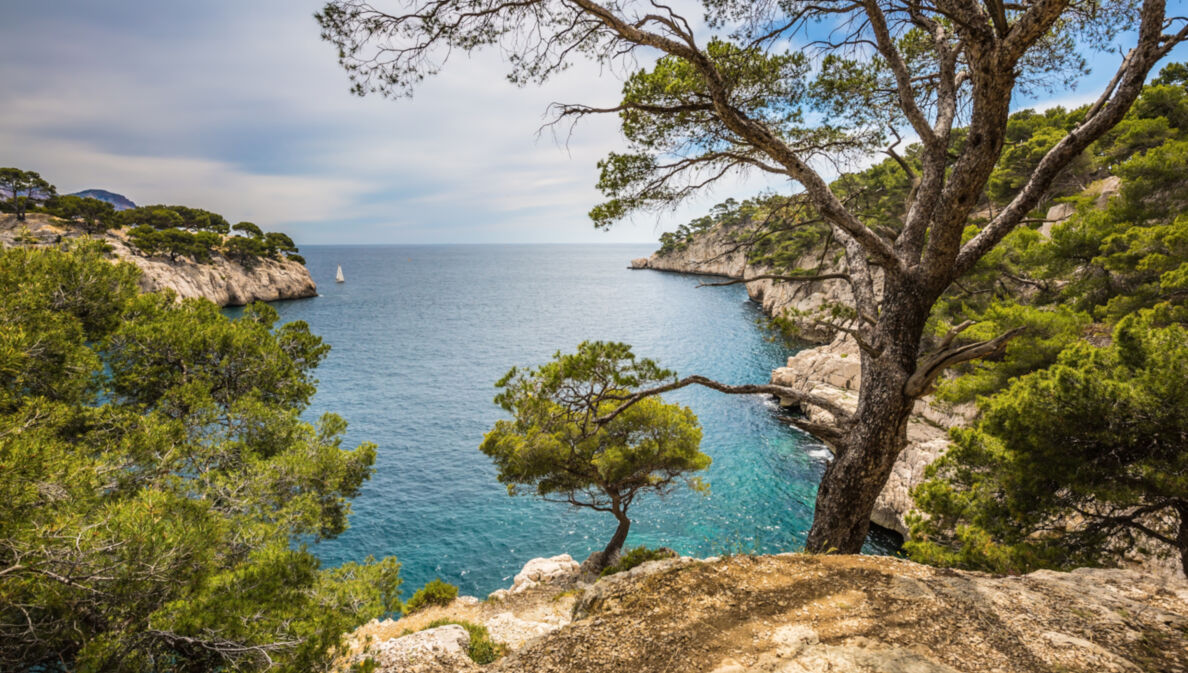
(419, 336)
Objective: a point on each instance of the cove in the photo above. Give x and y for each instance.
(421, 333)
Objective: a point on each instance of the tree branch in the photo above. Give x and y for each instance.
(920, 383)
(781, 277)
(842, 416)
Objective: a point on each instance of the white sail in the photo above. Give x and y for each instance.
(338, 277)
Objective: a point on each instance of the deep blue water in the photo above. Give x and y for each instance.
(421, 333)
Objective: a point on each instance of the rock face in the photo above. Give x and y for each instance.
(554, 570)
(800, 613)
(714, 253)
(539, 602)
(223, 281)
(796, 613)
(431, 651)
(1101, 191)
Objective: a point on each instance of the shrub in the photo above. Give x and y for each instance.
(433, 593)
(482, 650)
(634, 557)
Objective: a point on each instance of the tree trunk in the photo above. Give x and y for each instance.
(868, 450)
(1182, 538)
(611, 553)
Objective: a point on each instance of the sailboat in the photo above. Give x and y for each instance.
(338, 278)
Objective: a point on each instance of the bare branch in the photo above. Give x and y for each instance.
(841, 415)
(781, 277)
(934, 365)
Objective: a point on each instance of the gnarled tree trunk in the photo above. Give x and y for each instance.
(866, 452)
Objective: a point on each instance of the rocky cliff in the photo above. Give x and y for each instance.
(223, 281)
(717, 253)
(796, 613)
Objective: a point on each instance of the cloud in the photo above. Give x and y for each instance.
(240, 108)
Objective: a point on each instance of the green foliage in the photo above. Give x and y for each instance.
(159, 484)
(249, 229)
(435, 592)
(1047, 332)
(175, 217)
(23, 189)
(1029, 136)
(563, 444)
(245, 250)
(181, 231)
(634, 557)
(1069, 465)
(95, 216)
(481, 650)
(175, 243)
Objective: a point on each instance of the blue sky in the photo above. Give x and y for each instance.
(238, 107)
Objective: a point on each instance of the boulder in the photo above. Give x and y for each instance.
(512, 631)
(437, 650)
(560, 569)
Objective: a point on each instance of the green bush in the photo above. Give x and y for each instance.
(482, 650)
(634, 557)
(433, 593)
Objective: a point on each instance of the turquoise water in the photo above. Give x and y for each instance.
(421, 333)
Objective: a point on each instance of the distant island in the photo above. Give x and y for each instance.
(119, 201)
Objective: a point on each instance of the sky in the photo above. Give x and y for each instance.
(239, 107)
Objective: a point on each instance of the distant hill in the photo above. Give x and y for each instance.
(120, 201)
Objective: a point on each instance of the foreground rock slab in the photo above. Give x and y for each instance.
(436, 650)
(811, 614)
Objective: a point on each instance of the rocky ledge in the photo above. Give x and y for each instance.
(221, 280)
(797, 613)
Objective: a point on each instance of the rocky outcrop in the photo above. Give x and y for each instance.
(438, 649)
(716, 253)
(797, 613)
(1101, 192)
(539, 602)
(221, 280)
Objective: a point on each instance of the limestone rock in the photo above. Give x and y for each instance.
(554, 570)
(223, 281)
(1102, 191)
(805, 613)
(714, 253)
(436, 650)
(639, 263)
(512, 631)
